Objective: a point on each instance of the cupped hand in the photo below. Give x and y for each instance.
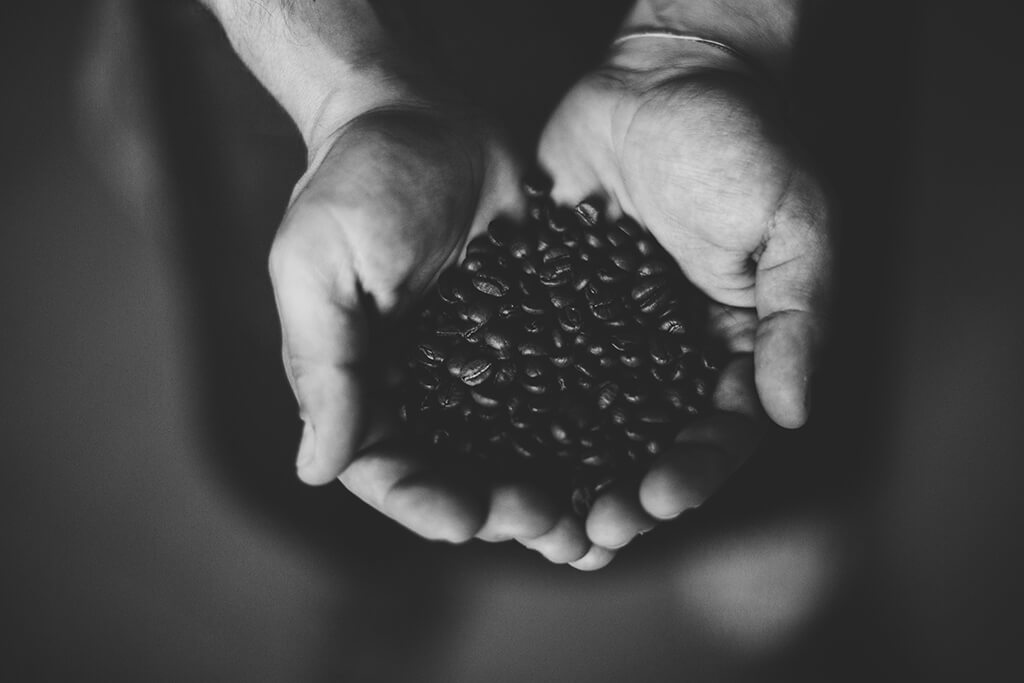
(684, 138)
(389, 200)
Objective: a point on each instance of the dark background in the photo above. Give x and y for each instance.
(152, 525)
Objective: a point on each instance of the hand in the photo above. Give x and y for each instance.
(390, 200)
(677, 136)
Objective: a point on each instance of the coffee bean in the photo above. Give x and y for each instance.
(587, 213)
(673, 324)
(661, 351)
(624, 259)
(562, 432)
(561, 296)
(532, 348)
(617, 238)
(654, 415)
(653, 267)
(535, 368)
(446, 285)
(631, 360)
(568, 339)
(477, 262)
(540, 405)
(594, 240)
(570, 319)
(536, 184)
(651, 293)
(431, 354)
(607, 312)
(476, 371)
(535, 304)
(607, 395)
(479, 311)
(500, 341)
(501, 232)
(491, 285)
(536, 325)
(629, 227)
(451, 395)
(646, 246)
(485, 397)
(561, 360)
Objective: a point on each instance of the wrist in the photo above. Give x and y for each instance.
(325, 62)
(763, 31)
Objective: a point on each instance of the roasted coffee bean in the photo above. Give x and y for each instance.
(540, 405)
(651, 293)
(570, 319)
(480, 245)
(611, 274)
(536, 184)
(479, 311)
(631, 360)
(428, 379)
(446, 285)
(629, 227)
(587, 213)
(617, 238)
(608, 312)
(646, 246)
(561, 360)
(477, 262)
(535, 304)
(500, 341)
(624, 259)
(536, 324)
(561, 296)
(567, 339)
(476, 371)
(559, 254)
(595, 240)
(431, 354)
(627, 340)
(653, 267)
(520, 249)
(451, 395)
(491, 285)
(488, 398)
(535, 368)
(555, 273)
(662, 351)
(527, 445)
(654, 415)
(533, 348)
(607, 395)
(673, 324)
(663, 373)
(501, 232)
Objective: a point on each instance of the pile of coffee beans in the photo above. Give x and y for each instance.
(569, 349)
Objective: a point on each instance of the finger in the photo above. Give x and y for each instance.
(791, 285)
(419, 496)
(518, 511)
(617, 517)
(565, 542)
(596, 558)
(709, 451)
(324, 342)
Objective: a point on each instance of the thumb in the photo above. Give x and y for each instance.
(324, 344)
(791, 286)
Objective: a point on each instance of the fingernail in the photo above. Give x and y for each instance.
(307, 446)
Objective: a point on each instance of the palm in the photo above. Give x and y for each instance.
(690, 155)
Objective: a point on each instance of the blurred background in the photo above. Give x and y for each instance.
(153, 528)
